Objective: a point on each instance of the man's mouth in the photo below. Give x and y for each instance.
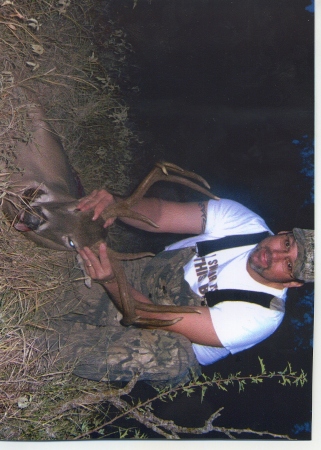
(261, 257)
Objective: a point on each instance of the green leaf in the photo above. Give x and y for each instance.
(204, 389)
(263, 371)
(220, 386)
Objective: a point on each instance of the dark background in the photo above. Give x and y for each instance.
(227, 90)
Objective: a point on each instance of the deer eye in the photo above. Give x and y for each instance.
(71, 243)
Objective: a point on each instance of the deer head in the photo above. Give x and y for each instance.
(59, 222)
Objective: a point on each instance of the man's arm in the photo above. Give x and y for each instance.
(171, 217)
(198, 328)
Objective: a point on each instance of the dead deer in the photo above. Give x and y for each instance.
(42, 202)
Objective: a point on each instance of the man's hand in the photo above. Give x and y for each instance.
(98, 201)
(97, 267)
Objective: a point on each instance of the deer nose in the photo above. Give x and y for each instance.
(32, 218)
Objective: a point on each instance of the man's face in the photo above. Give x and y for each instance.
(271, 262)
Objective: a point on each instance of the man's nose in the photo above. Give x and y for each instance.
(278, 255)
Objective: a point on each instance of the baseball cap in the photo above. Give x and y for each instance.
(304, 264)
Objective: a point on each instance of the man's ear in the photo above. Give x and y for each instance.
(290, 284)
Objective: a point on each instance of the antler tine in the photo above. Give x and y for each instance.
(166, 165)
(160, 173)
(165, 308)
(155, 323)
(190, 184)
(122, 209)
(126, 304)
(151, 323)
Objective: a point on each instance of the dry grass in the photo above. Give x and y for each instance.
(49, 47)
(59, 62)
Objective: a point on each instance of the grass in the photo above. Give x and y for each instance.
(48, 46)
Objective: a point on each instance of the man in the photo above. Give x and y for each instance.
(271, 266)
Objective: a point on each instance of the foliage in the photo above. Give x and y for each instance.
(67, 408)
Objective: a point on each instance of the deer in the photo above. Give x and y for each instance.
(42, 203)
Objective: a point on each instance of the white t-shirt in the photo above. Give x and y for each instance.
(239, 325)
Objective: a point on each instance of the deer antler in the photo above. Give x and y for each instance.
(127, 304)
(158, 173)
